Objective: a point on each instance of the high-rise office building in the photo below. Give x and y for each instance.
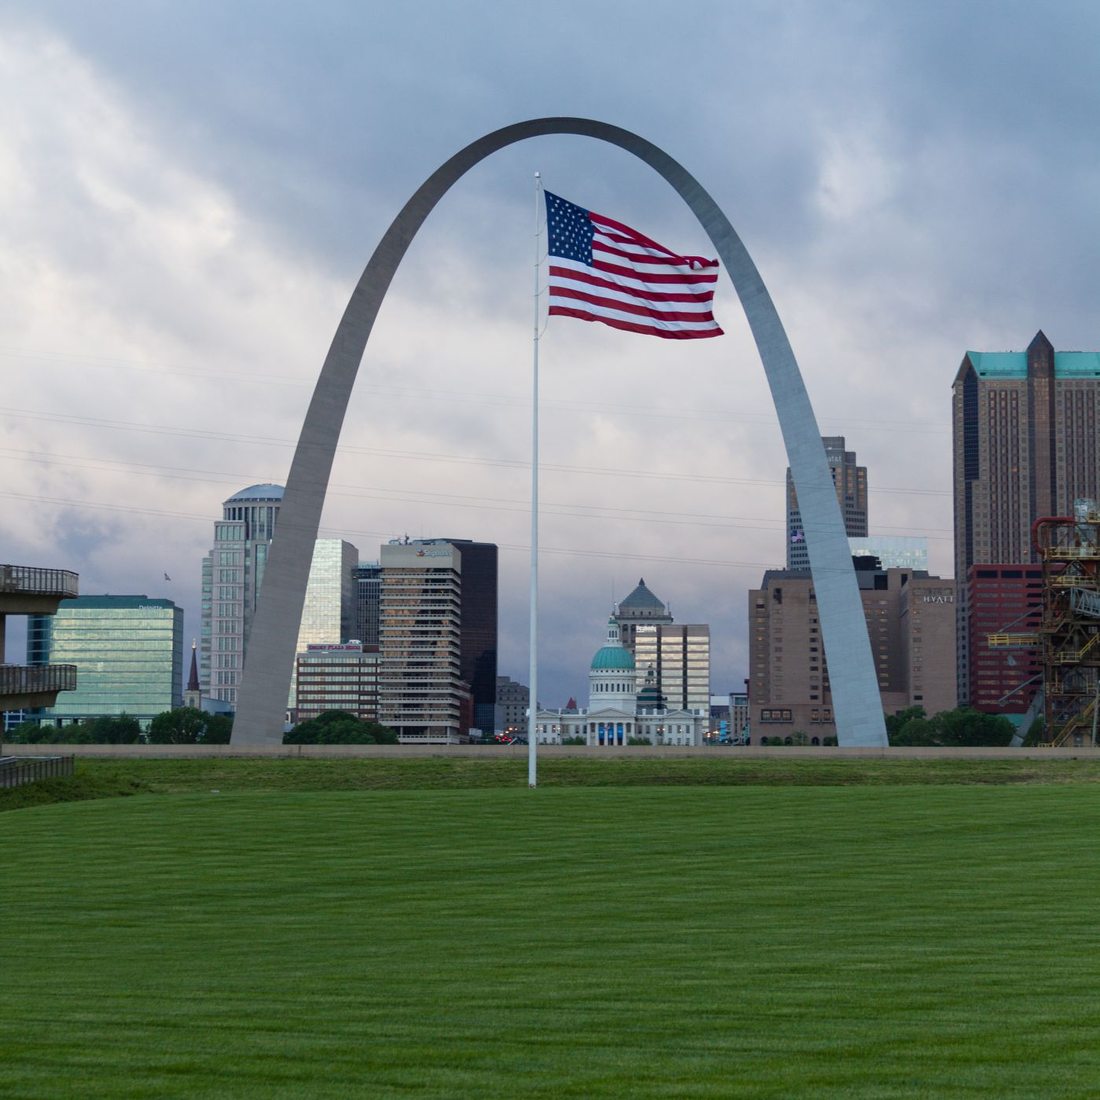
(1003, 599)
(231, 577)
(438, 637)
(328, 614)
(337, 677)
(478, 631)
(850, 481)
(1026, 435)
(368, 594)
(640, 608)
(911, 625)
(675, 659)
(893, 551)
(127, 651)
(421, 691)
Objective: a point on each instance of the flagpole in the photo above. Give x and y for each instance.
(533, 673)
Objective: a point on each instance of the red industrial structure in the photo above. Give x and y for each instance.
(1067, 638)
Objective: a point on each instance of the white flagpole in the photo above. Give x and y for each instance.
(533, 674)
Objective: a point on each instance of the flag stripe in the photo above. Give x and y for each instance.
(630, 307)
(677, 279)
(625, 233)
(647, 258)
(614, 309)
(559, 271)
(602, 270)
(678, 333)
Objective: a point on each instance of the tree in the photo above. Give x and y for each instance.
(27, 733)
(958, 728)
(974, 727)
(895, 722)
(111, 729)
(189, 726)
(340, 727)
(918, 730)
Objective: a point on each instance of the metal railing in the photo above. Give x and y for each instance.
(32, 679)
(14, 772)
(29, 580)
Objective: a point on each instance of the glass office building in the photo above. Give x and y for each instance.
(368, 594)
(328, 614)
(128, 656)
(893, 551)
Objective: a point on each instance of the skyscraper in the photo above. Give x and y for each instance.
(368, 593)
(438, 637)
(673, 661)
(328, 615)
(128, 655)
(421, 691)
(478, 631)
(676, 657)
(336, 677)
(850, 481)
(640, 608)
(1025, 433)
(910, 622)
(231, 576)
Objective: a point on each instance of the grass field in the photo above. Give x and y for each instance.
(883, 939)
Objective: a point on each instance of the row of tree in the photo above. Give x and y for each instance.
(182, 726)
(960, 727)
(188, 726)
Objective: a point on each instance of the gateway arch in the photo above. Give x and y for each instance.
(265, 682)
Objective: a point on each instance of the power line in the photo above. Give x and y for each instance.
(198, 433)
(458, 500)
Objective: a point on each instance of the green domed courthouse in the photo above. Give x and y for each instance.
(623, 705)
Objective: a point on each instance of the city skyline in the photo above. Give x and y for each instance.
(171, 297)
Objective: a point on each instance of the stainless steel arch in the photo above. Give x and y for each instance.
(270, 655)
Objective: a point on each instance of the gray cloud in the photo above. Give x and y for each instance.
(191, 192)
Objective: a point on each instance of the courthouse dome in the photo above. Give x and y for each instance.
(258, 492)
(613, 657)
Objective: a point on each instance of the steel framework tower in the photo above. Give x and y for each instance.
(1069, 636)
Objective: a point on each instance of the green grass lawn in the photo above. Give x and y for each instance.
(792, 940)
(104, 777)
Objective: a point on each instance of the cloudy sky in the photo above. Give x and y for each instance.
(189, 193)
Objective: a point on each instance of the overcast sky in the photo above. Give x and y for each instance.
(189, 193)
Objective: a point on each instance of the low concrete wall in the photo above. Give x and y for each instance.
(545, 752)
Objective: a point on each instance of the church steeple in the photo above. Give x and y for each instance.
(192, 697)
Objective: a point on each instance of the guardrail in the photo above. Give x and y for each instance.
(15, 772)
(30, 580)
(33, 679)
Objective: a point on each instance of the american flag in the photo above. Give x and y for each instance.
(602, 270)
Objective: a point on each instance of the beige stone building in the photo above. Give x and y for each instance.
(911, 624)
